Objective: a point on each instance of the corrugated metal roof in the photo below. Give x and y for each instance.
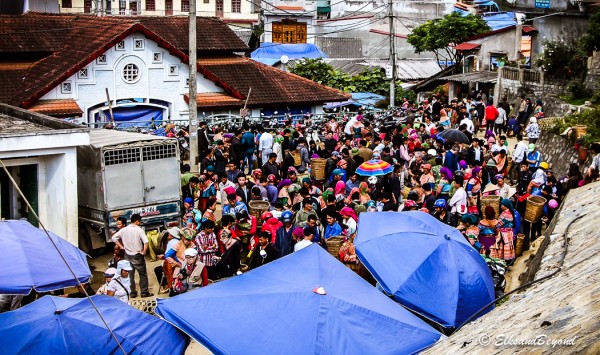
(406, 69)
(474, 77)
(244, 35)
(339, 47)
(104, 137)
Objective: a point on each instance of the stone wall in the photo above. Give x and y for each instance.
(548, 90)
(559, 153)
(563, 307)
(592, 79)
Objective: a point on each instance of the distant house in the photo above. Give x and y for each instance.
(141, 62)
(40, 155)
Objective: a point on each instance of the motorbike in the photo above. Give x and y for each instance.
(498, 269)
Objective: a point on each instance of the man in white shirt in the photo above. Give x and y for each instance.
(265, 144)
(499, 145)
(309, 232)
(518, 155)
(458, 202)
(467, 121)
(133, 239)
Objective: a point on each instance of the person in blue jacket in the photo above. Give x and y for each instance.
(248, 145)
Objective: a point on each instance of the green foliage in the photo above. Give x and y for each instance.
(563, 57)
(589, 118)
(442, 91)
(438, 35)
(591, 40)
(371, 79)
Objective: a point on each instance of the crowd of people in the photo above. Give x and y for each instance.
(256, 198)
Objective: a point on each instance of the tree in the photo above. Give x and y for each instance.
(591, 40)
(440, 35)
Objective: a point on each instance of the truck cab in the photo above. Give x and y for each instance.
(122, 173)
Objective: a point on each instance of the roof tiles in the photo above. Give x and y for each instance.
(66, 107)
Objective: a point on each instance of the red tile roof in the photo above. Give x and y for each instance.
(529, 29)
(270, 86)
(289, 8)
(216, 100)
(54, 58)
(466, 46)
(57, 108)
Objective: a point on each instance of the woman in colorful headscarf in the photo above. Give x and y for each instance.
(505, 236)
(474, 190)
(340, 190)
(277, 149)
(283, 195)
(469, 228)
(488, 232)
(323, 198)
(350, 220)
(363, 187)
(445, 184)
(353, 196)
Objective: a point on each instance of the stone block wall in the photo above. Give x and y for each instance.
(559, 153)
(592, 79)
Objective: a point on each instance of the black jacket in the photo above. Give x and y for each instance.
(236, 151)
(256, 260)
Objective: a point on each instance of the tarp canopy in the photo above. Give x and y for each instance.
(272, 52)
(33, 263)
(56, 325)
(135, 115)
(424, 264)
(500, 20)
(367, 99)
(276, 309)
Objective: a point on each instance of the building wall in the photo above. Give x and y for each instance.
(557, 27)
(156, 80)
(56, 158)
(309, 20)
(202, 9)
(501, 43)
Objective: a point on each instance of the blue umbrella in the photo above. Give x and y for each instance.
(427, 266)
(34, 263)
(305, 303)
(56, 325)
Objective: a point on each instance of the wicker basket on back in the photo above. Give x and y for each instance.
(333, 245)
(297, 159)
(493, 201)
(534, 208)
(317, 166)
(258, 207)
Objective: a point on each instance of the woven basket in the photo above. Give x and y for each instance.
(519, 244)
(534, 208)
(257, 208)
(493, 201)
(317, 166)
(333, 246)
(297, 158)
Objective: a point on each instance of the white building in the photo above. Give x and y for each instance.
(289, 21)
(240, 13)
(40, 153)
(141, 63)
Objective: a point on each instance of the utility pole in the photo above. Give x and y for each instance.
(193, 106)
(392, 52)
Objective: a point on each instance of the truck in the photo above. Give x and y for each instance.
(123, 173)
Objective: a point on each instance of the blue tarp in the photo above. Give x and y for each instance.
(500, 20)
(425, 265)
(33, 263)
(135, 115)
(270, 53)
(56, 325)
(367, 99)
(274, 310)
(496, 20)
